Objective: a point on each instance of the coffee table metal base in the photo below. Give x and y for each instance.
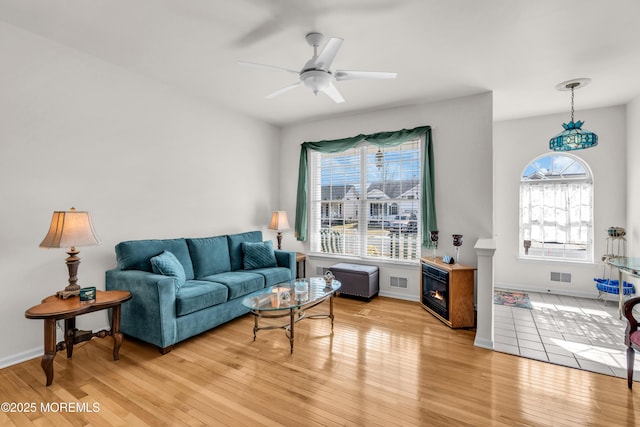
(295, 314)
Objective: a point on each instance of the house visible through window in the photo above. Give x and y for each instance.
(556, 209)
(365, 202)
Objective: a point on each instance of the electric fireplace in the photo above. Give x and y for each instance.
(447, 292)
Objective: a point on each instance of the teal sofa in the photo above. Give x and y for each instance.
(183, 287)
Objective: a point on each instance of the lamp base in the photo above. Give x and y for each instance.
(71, 290)
(68, 294)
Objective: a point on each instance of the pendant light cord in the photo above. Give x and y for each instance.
(572, 110)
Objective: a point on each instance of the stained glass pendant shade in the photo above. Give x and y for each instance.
(573, 137)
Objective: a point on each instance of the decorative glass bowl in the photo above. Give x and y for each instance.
(616, 232)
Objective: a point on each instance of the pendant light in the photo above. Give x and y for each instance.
(379, 159)
(573, 137)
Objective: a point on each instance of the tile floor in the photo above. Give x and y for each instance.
(576, 332)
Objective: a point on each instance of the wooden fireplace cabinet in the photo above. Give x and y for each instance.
(460, 300)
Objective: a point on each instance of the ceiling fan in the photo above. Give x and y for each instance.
(315, 73)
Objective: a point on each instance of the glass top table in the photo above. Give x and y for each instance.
(291, 299)
(625, 265)
(631, 265)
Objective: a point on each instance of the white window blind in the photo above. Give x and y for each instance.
(365, 202)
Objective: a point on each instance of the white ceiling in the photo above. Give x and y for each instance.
(440, 49)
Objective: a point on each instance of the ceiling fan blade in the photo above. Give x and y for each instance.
(332, 92)
(351, 75)
(270, 67)
(283, 90)
(328, 54)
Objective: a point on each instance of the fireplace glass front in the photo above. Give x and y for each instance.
(435, 290)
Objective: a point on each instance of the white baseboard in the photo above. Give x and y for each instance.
(567, 292)
(399, 296)
(14, 359)
(23, 356)
(488, 344)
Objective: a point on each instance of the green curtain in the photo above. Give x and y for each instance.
(381, 139)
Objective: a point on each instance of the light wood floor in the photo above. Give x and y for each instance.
(389, 362)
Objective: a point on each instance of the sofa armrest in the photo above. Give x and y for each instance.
(286, 259)
(150, 315)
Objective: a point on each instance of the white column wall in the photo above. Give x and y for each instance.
(633, 178)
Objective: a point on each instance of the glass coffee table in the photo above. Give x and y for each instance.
(291, 299)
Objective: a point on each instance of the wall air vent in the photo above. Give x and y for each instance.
(557, 277)
(398, 282)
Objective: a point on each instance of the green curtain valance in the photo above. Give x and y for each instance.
(380, 139)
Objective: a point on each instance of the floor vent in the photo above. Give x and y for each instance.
(558, 277)
(398, 282)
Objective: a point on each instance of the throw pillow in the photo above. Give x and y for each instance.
(258, 255)
(168, 265)
(235, 246)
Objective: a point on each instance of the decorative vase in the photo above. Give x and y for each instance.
(457, 242)
(434, 240)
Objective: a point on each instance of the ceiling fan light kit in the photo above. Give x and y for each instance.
(316, 74)
(315, 80)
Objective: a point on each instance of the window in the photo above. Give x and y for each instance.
(556, 209)
(365, 202)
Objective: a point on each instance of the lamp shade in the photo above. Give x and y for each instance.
(573, 138)
(70, 229)
(279, 221)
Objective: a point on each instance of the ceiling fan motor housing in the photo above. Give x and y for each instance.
(316, 80)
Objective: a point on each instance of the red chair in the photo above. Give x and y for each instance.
(631, 337)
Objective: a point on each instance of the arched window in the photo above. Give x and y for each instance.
(556, 209)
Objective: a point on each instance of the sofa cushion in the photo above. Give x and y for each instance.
(274, 275)
(258, 255)
(235, 246)
(168, 265)
(209, 255)
(136, 254)
(239, 283)
(196, 295)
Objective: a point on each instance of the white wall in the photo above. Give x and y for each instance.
(462, 135)
(633, 178)
(516, 143)
(144, 160)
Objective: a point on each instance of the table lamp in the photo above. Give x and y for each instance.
(279, 222)
(70, 229)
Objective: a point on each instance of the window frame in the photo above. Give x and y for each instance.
(365, 206)
(566, 250)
